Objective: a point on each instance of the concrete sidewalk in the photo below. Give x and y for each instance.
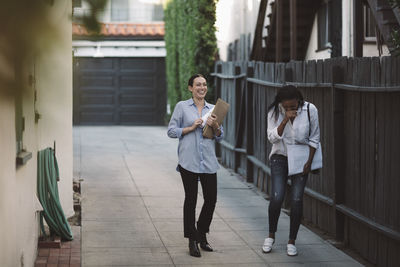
(132, 201)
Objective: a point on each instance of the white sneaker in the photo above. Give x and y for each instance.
(267, 247)
(291, 250)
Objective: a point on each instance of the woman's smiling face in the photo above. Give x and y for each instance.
(199, 88)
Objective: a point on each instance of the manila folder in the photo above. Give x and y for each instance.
(220, 110)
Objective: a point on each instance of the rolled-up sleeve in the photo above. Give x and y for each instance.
(175, 124)
(314, 138)
(272, 130)
(221, 136)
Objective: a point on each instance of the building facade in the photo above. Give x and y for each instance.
(31, 119)
(323, 29)
(119, 77)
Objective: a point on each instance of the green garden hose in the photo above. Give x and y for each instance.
(47, 190)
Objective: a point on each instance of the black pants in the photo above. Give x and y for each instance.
(209, 186)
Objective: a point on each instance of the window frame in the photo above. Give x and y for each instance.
(116, 17)
(368, 19)
(327, 10)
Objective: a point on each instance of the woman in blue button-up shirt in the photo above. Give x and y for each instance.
(197, 159)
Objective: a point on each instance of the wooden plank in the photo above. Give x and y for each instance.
(340, 155)
(320, 71)
(394, 199)
(311, 73)
(249, 126)
(393, 253)
(358, 37)
(293, 29)
(382, 252)
(388, 147)
(380, 164)
(298, 74)
(363, 150)
(279, 30)
(256, 53)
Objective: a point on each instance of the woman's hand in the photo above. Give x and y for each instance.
(212, 121)
(307, 168)
(290, 114)
(196, 124)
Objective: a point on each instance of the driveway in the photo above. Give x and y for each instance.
(132, 199)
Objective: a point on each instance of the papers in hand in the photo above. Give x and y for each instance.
(298, 156)
(205, 117)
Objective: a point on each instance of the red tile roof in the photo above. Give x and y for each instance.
(124, 30)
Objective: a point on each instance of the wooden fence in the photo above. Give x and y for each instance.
(356, 196)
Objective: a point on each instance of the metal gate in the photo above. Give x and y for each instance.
(112, 91)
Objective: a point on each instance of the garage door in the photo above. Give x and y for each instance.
(109, 91)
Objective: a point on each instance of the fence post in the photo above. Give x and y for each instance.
(338, 146)
(217, 83)
(217, 88)
(249, 125)
(238, 110)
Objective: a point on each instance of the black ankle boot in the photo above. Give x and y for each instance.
(204, 244)
(193, 248)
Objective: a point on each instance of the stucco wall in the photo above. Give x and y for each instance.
(8, 218)
(235, 17)
(52, 69)
(54, 103)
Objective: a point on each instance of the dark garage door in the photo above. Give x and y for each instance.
(130, 91)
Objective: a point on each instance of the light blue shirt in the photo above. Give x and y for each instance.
(195, 152)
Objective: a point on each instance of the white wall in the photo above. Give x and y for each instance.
(312, 52)
(54, 103)
(234, 17)
(371, 50)
(8, 203)
(52, 70)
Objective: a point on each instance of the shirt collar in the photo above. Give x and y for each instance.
(191, 102)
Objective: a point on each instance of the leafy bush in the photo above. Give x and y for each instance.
(191, 44)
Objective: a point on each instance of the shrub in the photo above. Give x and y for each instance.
(191, 44)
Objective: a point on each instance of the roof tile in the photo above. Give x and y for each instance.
(124, 29)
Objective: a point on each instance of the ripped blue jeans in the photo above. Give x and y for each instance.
(279, 177)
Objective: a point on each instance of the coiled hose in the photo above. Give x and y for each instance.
(47, 190)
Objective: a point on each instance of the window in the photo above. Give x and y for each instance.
(324, 26)
(158, 12)
(119, 10)
(369, 24)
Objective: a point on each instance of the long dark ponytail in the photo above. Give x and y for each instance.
(287, 92)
